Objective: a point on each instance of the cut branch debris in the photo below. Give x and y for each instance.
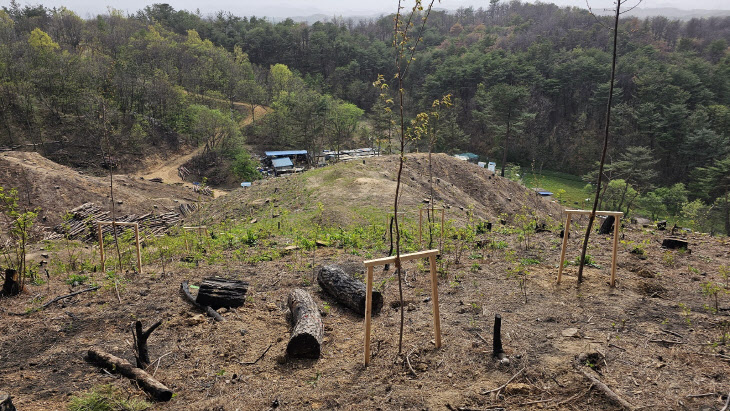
(501, 387)
(607, 391)
(150, 385)
(62, 297)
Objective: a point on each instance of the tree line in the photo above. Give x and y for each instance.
(528, 83)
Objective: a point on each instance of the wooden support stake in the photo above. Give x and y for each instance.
(566, 233)
(114, 225)
(101, 249)
(139, 254)
(431, 255)
(616, 225)
(420, 223)
(435, 300)
(368, 309)
(616, 214)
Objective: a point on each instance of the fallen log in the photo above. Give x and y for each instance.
(150, 385)
(307, 331)
(6, 403)
(211, 312)
(674, 243)
(218, 292)
(347, 290)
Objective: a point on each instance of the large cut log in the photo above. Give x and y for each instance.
(150, 385)
(607, 226)
(674, 243)
(307, 329)
(6, 403)
(218, 292)
(347, 290)
(11, 286)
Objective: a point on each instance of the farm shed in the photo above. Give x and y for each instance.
(296, 157)
(282, 165)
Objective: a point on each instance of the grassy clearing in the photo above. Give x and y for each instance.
(553, 181)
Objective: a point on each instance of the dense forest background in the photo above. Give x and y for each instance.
(133, 84)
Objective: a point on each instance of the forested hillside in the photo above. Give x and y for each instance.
(537, 69)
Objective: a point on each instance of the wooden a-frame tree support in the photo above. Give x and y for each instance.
(616, 223)
(114, 225)
(431, 255)
(198, 229)
(420, 222)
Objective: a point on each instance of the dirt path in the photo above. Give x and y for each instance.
(166, 169)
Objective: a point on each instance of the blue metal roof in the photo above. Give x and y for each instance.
(282, 162)
(544, 193)
(284, 153)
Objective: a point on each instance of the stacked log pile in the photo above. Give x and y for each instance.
(82, 222)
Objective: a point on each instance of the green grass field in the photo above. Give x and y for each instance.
(553, 181)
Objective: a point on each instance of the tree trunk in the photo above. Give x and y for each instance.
(6, 403)
(347, 290)
(150, 385)
(307, 331)
(12, 285)
(217, 292)
(506, 144)
(607, 226)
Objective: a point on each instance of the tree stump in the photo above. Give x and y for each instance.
(347, 290)
(218, 292)
(11, 286)
(6, 403)
(307, 331)
(674, 243)
(607, 226)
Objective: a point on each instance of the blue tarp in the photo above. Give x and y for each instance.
(245, 184)
(284, 153)
(544, 193)
(282, 162)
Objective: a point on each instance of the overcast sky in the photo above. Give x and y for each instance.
(285, 8)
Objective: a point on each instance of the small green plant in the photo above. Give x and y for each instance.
(475, 266)
(76, 279)
(498, 245)
(668, 258)
(315, 380)
(106, 398)
(692, 270)
(712, 290)
(686, 311)
(326, 307)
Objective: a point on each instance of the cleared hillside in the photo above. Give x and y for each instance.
(56, 188)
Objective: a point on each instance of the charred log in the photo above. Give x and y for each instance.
(217, 292)
(347, 290)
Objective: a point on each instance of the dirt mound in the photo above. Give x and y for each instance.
(56, 188)
(346, 190)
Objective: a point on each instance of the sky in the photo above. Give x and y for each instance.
(295, 8)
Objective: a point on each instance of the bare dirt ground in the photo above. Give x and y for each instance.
(650, 339)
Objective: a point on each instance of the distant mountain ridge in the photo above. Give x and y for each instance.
(669, 12)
